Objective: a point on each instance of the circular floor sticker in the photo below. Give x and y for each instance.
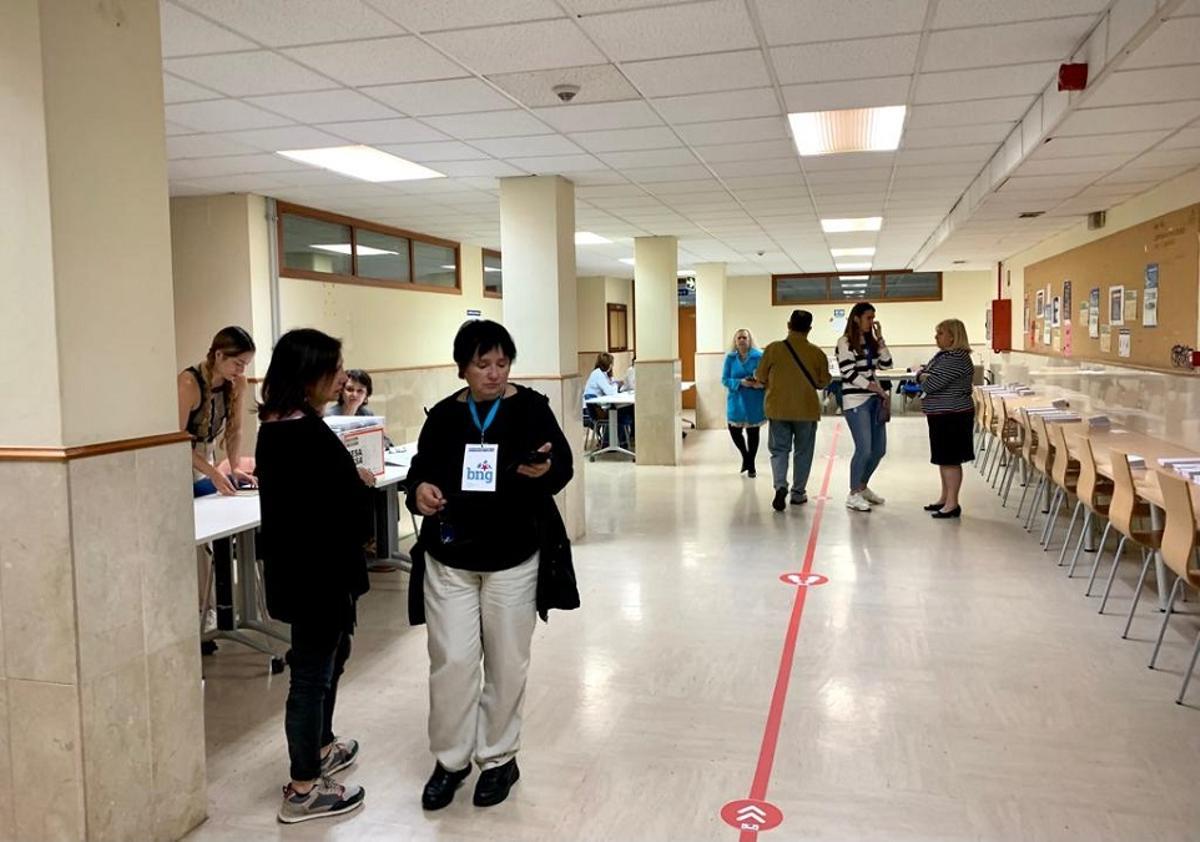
(803, 580)
(752, 815)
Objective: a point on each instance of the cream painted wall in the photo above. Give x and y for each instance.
(111, 247)
(591, 314)
(220, 267)
(389, 328)
(1172, 195)
(28, 330)
(965, 295)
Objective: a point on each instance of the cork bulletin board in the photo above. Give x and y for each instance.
(1160, 257)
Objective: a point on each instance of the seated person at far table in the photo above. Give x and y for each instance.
(600, 383)
(354, 397)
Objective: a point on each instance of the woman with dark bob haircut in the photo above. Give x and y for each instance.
(314, 568)
(489, 460)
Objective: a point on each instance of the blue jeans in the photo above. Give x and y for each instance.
(870, 441)
(781, 437)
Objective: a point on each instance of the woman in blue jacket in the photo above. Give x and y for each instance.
(744, 406)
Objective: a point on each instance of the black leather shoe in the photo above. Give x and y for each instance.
(934, 507)
(955, 512)
(439, 789)
(493, 784)
(780, 501)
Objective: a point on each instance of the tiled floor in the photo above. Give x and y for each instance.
(949, 682)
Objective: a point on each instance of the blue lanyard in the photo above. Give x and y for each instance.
(483, 428)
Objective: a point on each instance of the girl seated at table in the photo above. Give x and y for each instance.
(600, 383)
(353, 398)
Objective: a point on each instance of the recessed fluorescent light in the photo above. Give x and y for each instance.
(447, 266)
(850, 267)
(492, 269)
(842, 226)
(848, 130)
(344, 248)
(853, 277)
(587, 238)
(865, 251)
(682, 273)
(628, 260)
(361, 162)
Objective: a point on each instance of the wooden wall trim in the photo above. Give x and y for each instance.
(104, 448)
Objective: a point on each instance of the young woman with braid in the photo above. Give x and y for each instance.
(211, 397)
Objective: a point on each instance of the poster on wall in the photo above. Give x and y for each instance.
(1066, 297)
(1116, 305)
(1056, 339)
(1066, 340)
(1124, 342)
(1106, 339)
(1056, 312)
(1040, 304)
(1129, 315)
(1150, 299)
(1046, 328)
(1094, 313)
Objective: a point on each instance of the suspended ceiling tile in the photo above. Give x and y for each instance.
(244, 74)
(516, 47)
(857, 93)
(730, 105)
(449, 96)
(791, 22)
(599, 116)
(279, 23)
(324, 106)
(663, 32)
(596, 83)
(1016, 43)
(699, 74)
(378, 61)
(858, 58)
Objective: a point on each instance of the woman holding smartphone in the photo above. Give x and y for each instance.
(744, 403)
(489, 459)
(860, 353)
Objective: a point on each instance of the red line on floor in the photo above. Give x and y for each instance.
(766, 754)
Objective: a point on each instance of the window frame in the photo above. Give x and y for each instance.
(483, 271)
(829, 299)
(609, 309)
(354, 278)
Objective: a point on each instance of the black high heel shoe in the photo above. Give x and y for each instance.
(955, 512)
(934, 507)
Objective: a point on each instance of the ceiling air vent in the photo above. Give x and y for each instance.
(1030, 214)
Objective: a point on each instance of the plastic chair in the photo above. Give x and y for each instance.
(1125, 507)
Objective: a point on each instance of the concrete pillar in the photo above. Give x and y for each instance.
(101, 710)
(712, 342)
(659, 428)
(537, 238)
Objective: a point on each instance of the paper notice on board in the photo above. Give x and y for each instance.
(1130, 312)
(1106, 339)
(1066, 338)
(1046, 328)
(1056, 339)
(1150, 301)
(1066, 301)
(1094, 313)
(1124, 343)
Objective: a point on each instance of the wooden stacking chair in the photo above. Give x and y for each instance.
(1179, 554)
(1064, 475)
(1094, 495)
(1123, 512)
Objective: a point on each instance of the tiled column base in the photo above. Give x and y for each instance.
(100, 649)
(710, 392)
(566, 399)
(659, 431)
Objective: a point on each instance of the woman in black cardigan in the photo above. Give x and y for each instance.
(489, 459)
(315, 519)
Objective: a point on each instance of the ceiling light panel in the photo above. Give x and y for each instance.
(848, 130)
(361, 162)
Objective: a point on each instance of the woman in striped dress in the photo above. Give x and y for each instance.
(946, 398)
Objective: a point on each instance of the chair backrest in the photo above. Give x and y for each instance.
(1089, 481)
(1124, 499)
(1179, 531)
(1062, 454)
(1043, 457)
(1029, 439)
(989, 411)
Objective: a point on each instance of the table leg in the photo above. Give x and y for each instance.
(222, 561)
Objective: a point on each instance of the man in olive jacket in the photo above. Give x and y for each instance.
(794, 372)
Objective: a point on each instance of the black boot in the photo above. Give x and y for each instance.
(439, 789)
(493, 784)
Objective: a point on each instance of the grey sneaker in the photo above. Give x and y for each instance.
(343, 754)
(799, 499)
(326, 798)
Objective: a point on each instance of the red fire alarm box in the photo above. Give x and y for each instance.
(1002, 324)
(1072, 77)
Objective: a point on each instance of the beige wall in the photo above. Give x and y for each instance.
(1172, 195)
(908, 326)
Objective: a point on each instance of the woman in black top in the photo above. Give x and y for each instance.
(314, 522)
(946, 397)
(488, 461)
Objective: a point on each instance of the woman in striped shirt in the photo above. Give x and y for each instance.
(946, 398)
(860, 351)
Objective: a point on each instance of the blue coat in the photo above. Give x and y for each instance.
(744, 405)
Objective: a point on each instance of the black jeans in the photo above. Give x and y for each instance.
(317, 659)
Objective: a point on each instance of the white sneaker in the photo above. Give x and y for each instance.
(858, 503)
(871, 497)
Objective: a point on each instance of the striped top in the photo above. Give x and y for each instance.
(946, 383)
(858, 371)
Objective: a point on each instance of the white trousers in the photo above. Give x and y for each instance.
(480, 628)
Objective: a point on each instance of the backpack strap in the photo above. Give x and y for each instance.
(796, 357)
